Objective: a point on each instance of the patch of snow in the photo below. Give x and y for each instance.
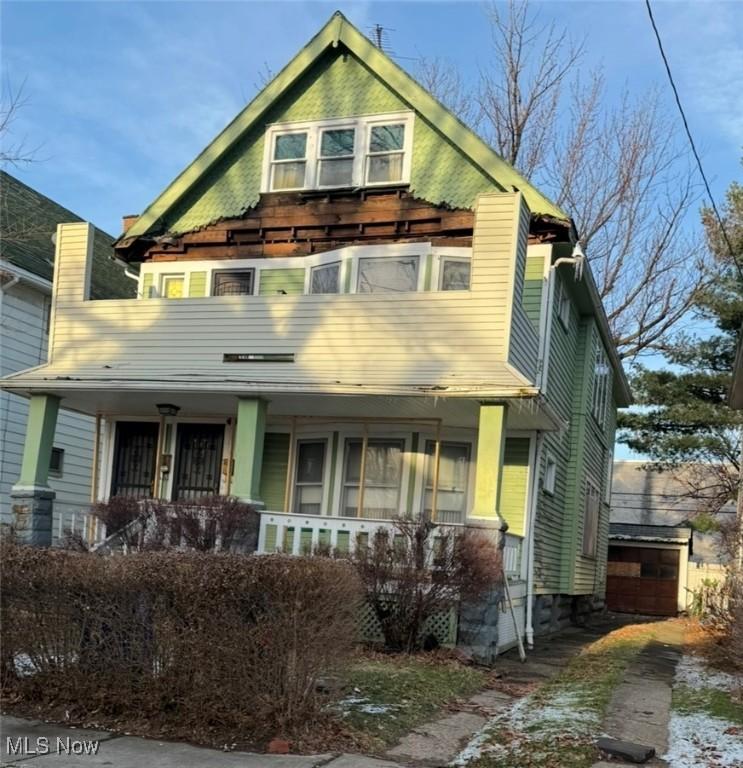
(693, 672)
(361, 704)
(526, 719)
(23, 665)
(702, 740)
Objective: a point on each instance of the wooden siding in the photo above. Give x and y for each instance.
(449, 338)
(515, 483)
(273, 472)
(287, 281)
(23, 344)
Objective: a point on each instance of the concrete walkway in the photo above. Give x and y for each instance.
(640, 707)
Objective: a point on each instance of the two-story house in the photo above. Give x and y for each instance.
(350, 309)
(28, 226)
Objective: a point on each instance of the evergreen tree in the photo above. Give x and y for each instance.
(684, 422)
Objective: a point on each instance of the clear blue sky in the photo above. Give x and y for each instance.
(122, 95)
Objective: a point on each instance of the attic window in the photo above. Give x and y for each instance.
(338, 153)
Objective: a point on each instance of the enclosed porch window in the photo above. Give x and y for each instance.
(450, 482)
(372, 478)
(308, 486)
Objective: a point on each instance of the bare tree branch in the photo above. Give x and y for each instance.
(13, 151)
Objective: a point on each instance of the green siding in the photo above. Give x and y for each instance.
(271, 534)
(337, 85)
(288, 540)
(273, 474)
(534, 284)
(515, 483)
(273, 281)
(343, 542)
(147, 285)
(197, 284)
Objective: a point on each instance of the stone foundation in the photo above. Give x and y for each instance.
(32, 515)
(553, 613)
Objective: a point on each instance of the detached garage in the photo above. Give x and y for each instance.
(647, 568)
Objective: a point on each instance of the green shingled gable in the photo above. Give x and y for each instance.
(339, 72)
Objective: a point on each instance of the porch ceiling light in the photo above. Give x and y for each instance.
(166, 409)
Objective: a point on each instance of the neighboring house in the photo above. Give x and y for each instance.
(28, 226)
(656, 558)
(351, 309)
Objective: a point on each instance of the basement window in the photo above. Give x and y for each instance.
(56, 462)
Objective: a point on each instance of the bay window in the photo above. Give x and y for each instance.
(372, 477)
(325, 278)
(387, 274)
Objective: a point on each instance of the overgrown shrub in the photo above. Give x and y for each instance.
(207, 524)
(422, 570)
(212, 641)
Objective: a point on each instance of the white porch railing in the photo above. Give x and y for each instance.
(303, 534)
(82, 523)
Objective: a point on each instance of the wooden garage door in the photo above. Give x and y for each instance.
(642, 580)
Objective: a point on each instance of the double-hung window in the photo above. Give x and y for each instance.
(289, 161)
(601, 382)
(375, 475)
(591, 519)
(385, 155)
(336, 160)
(388, 274)
(308, 484)
(451, 483)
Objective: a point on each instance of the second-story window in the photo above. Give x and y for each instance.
(173, 287)
(388, 274)
(455, 274)
(601, 382)
(325, 278)
(233, 282)
(384, 159)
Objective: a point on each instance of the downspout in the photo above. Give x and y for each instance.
(533, 506)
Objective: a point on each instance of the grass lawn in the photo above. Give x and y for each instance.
(555, 727)
(389, 695)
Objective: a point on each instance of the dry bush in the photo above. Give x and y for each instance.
(420, 571)
(199, 640)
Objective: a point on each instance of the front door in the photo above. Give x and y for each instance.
(198, 459)
(134, 459)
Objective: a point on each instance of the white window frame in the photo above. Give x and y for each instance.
(430, 458)
(550, 475)
(323, 265)
(362, 124)
(563, 304)
(440, 255)
(325, 440)
(166, 277)
(591, 492)
(308, 151)
(215, 272)
(609, 476)
(422, 250)
(600, 388)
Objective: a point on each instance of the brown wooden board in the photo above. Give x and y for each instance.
(642, 580)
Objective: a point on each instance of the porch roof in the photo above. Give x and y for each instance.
(527, 410)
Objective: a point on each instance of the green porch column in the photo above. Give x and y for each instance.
(248, 451)
(491, 445)
(31, 497)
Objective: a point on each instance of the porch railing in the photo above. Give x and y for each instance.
(302, 534)
(81, 523)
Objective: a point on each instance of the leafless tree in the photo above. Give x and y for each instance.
(616, 167)
(13, 151)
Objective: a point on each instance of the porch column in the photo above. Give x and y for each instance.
(491, 445)
(249, 432)
(31, 497)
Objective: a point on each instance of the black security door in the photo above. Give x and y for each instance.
(197, 461)
(134, 459)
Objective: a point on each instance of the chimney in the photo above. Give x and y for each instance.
(128, 221)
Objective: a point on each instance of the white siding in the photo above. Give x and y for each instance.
(23, 344)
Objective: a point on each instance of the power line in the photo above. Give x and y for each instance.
(691, 141)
